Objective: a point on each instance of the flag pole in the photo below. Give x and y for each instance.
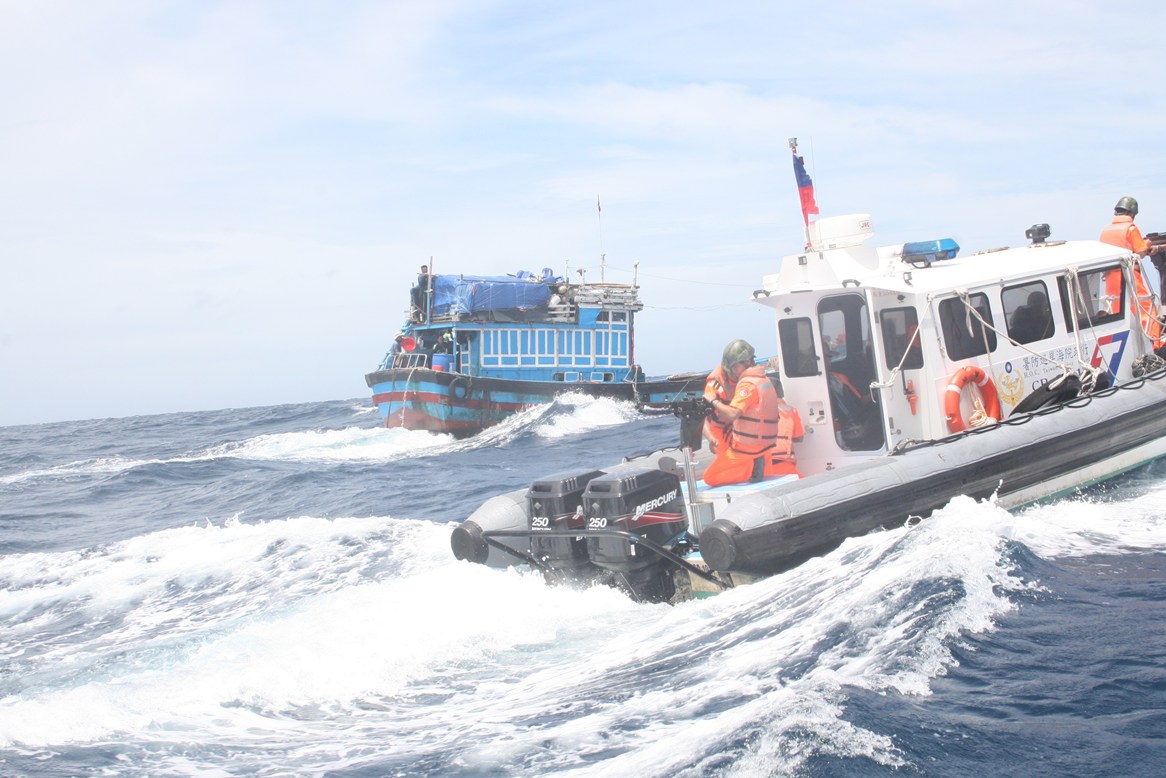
(805, 188)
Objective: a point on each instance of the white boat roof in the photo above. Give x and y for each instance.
(843, 259)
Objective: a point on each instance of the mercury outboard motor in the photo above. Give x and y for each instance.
(556, 503)
(647, 503)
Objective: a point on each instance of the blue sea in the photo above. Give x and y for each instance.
(270, 592)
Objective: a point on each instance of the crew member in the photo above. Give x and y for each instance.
(420, 295)
(396, 347)
(762, 431)
(720, 386)
(1123, 233)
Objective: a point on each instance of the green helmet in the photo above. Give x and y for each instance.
(736, 352)
(1126, 205)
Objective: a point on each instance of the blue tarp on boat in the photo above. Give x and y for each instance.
(467, 295)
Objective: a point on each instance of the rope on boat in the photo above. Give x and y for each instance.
(1138, 307)
(1155, 370)
(405, 392)
(897, 369)
(1089, 373)
(980, 417)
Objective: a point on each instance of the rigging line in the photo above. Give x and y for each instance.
(702, 282)
(673, 278)
(721, 307)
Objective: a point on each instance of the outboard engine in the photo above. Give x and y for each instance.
(648, 504)
(556, 503)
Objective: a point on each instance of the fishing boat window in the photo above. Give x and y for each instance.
(962, 332)
(1098, 297)
(900, 327)
(799, 356)
(505, 348)
(1027, 311)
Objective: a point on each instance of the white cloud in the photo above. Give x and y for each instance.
(223, 203)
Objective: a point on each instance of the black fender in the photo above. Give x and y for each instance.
(1055, 392)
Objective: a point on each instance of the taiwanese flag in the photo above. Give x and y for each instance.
(805, 189)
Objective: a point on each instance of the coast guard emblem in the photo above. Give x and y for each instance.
(1011, 385)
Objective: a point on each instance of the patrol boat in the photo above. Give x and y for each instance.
(1021, 373)
(475, 350)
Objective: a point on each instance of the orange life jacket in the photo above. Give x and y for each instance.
(1142, 305)
(1123, 233)
(1150, 323)
(769, 427)
(845, 383)
(717, 387)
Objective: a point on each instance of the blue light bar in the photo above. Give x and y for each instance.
(923, 253)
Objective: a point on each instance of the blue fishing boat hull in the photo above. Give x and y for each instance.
(440, 401)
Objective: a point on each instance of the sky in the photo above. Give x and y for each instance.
(210, 205)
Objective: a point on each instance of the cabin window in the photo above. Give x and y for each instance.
(526, 348)
(619, 349)
(513, 348)
(505, 348)
(575, 348)
(799, 355)
(545, 346)
(603, 344)
(845, 328)
(900, 328)
(1027, 311)
(1098, 297)
(962, 332)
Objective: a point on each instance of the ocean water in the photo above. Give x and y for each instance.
(270, 592)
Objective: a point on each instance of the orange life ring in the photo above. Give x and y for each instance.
(955, 388)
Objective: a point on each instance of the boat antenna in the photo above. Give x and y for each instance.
(602, 255)
(805, 188)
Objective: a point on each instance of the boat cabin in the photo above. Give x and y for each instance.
(521, 327)
(881, 347)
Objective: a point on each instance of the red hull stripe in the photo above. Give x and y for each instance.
(442, 399)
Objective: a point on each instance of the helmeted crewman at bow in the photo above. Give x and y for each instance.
(762, 427)
(719, 388)
(1123, 233)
